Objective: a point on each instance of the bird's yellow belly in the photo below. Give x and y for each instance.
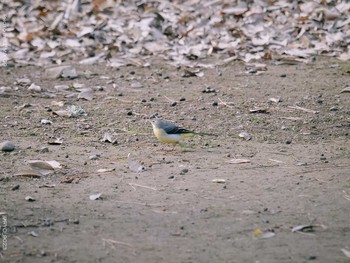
(166, 138)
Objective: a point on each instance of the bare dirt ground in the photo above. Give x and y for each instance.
(298, 172)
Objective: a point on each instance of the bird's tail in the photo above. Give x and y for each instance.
(205, 134)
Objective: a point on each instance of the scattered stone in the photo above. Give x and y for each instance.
(173, 104)
(94, 157)
(312, 258)
(129, 113)
(7, 146)
(46, 122)
(33, 233)
(209, 90)
(16, 187)
(29, 199)
(283, 75)
(184, 171)
(215, 103)
(288, 141)
(182, 99)
(136, 85)
(171, 177)
(245, 135)
(74, 221)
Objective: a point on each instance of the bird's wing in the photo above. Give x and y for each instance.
(173, 129)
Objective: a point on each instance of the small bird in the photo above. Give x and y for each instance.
(167, 132)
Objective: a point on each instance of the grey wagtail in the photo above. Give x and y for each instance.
(167, 132)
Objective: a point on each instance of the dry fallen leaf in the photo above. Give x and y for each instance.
(245, 135)
(106, 170)
(135, 167)
(106, 137)
(238, 161)
(346, 252)
(345, 90)
(259, 234)
(218, 180)
(95, 196)
(28, 172)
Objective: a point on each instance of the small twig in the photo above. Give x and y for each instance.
(137, 203)
(143, 186)
(225, 103)
(346, 196)
(18, 238)
(132, 187)
(277, 161)
(292, 118)
(169, 99)
(303, 109)
(112, 242)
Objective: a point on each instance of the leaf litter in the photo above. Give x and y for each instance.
(123, 34)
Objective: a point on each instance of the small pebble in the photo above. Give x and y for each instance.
(182, 99)
(171, 177)
(29, 198)
(209, 90)
(16, 187)
(312, 258)
(74, 221)
(7, 146)
(44, 150)
(143, 100)
(215, 103)
(288, 141)
(173, 104)
(283, 75)
(129, 113)
(94, 157)
(184, 171)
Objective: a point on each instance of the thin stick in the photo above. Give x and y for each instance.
(143, 186)
(132, 187)
(111, 241)
(169, 99)
(303, 109)
(346, 196)
(225, 103)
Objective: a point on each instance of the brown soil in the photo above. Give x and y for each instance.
(298, 172)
